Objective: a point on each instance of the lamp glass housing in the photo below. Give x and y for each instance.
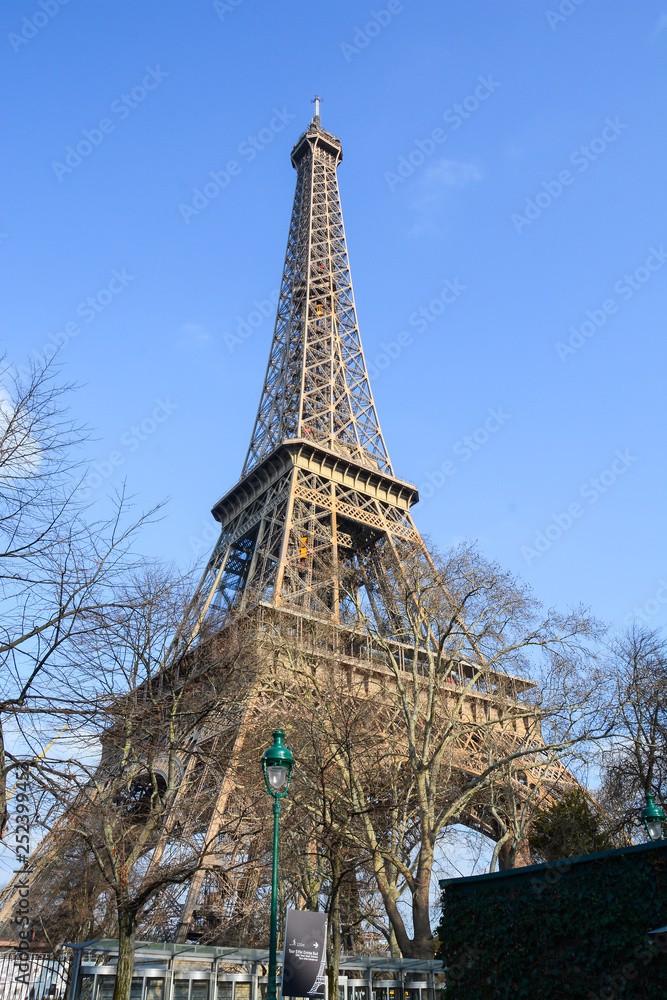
(654, 828)
(277, 775)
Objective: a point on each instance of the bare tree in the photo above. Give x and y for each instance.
(634, 762)
(450, 719)
(58, 569)
(327, 855)
(150, 725)
(571, 718)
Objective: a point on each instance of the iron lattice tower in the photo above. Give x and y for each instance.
(317, 502)
(314, 529)
(314, 526)
(317, 524)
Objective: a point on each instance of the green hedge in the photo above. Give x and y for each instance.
(572, 930)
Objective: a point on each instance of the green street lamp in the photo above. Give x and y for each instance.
(653, 817)
(277, 764)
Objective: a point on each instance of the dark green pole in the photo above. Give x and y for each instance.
(277, 764)
(273, 937)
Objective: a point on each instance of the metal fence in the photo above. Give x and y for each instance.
(33, 975)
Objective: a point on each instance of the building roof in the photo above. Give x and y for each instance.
(258, 956)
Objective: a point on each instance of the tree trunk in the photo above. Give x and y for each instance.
(127, 929)
(499, 856)
(350, 915)
(4, 814)
(506, 855)
(394, 950)
(422, 944)
(522, 855)
(514, 854)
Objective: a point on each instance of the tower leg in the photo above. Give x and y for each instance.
(227, 787)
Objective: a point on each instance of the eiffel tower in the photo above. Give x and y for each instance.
(316, 526)
(312, 528)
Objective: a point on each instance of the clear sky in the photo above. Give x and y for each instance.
(503, 192)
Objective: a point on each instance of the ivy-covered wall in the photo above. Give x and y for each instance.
(573, 930)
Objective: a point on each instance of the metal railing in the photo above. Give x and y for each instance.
(33, 975)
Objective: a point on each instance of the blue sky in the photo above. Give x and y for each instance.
(502, 187)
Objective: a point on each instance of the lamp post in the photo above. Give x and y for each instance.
(653, 817)
(277, 764)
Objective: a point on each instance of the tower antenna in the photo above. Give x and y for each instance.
(316, 101)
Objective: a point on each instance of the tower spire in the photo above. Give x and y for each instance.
(316, 117)
(316, 384)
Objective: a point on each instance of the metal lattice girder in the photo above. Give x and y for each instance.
(316, 383)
